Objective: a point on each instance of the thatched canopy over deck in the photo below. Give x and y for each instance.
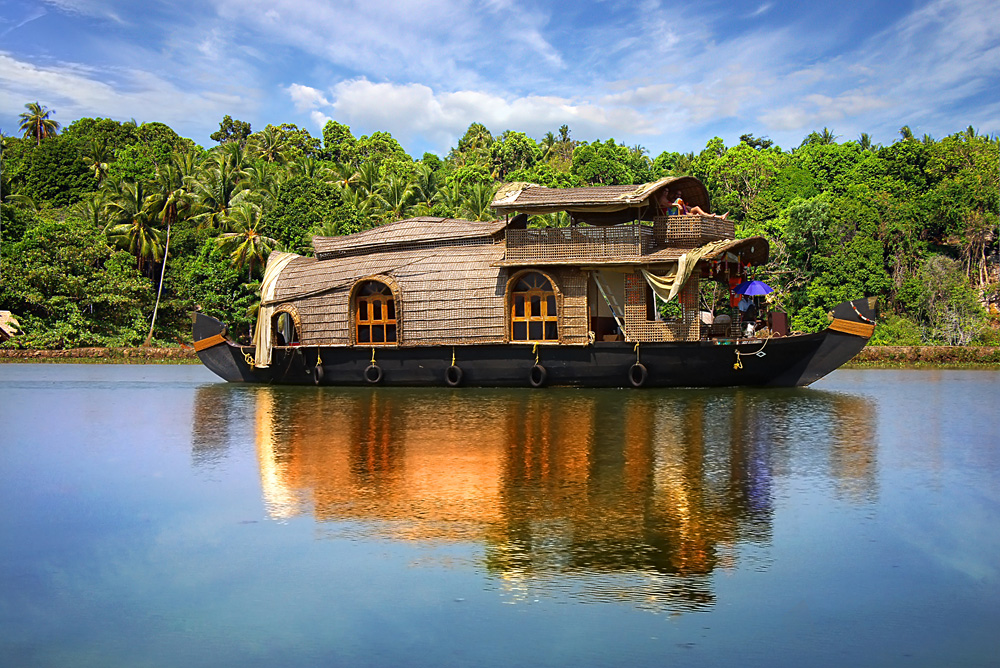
(600, 205)
(412, 233)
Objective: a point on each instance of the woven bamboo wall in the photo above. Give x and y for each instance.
(690, 231)
(642, 329)
(575, 326)
(579, 244)
(446, 295)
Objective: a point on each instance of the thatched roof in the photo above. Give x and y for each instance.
(8, 325)
(752, 249)
(411, 232)
(600, 205)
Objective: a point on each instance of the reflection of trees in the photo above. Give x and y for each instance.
(634, 496)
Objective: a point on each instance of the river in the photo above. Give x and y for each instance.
(151, 516)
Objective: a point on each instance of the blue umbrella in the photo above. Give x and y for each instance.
(753, 288)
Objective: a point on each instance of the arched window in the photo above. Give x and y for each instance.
(375, 314)
(286, 332)
(533, 313)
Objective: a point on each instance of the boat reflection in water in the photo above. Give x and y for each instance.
(595, 495)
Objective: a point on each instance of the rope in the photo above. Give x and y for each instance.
(249, 359)
(758, 353)
(534, 349)
(858, 313)
(373, 356)
(319, 357)
(636, 353)
(453, 355)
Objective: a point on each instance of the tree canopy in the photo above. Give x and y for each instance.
(177, 227)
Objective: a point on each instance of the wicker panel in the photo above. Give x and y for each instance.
(578, 244)
(574, 324)
(640, 328)
(691, 230)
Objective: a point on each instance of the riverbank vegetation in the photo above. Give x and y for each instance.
(111, 232)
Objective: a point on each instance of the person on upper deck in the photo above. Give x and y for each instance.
(679, 207)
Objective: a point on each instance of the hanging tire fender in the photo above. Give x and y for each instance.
(373, 374)
(637, 374)
(453, 375)
(538, 375)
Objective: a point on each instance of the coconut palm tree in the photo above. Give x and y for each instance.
(368, 178)
(345, 174)
(93, 208)
(424, 188)
(35, 122)
(477, 204)
(97, 158)
(245, 244)
(451, 197)
(269, 145)
(264, 180)
(132, 224)
(217, 187)
(172, 201)
(394, 197)
(360, 200)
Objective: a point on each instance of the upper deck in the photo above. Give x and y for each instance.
(624, 244)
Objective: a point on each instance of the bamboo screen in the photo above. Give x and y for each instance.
(579, 244)
(640, 328)
(691, 230)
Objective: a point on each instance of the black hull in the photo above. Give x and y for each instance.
(779, 362)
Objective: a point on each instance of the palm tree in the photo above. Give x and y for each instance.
(245, 244)
(235, 154)
(865, 141)
(264, 181)
(360, 200)
(98, 157)
(217, 187)
(368, 178)
(36, 122)
(269, 145)
(345, 174)
(451, 197)
(395, 197)
(424, 188)
(132, 224)
(172, 201)
(477, 204)
(548, 144)
(92, 208)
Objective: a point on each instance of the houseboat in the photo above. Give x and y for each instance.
(611, 300)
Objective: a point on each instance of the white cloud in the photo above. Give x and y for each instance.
(76, 90)
(93, 8)
(415, 111)
(306, 98)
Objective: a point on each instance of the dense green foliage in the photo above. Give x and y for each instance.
(110, 230)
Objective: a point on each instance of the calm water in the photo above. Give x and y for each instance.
(150, 516)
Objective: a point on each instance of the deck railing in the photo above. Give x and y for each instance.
(576, 243)
(691, 230)
(618, 242)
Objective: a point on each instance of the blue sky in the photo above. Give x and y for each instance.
(666, 75)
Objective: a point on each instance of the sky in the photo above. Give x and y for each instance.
(664, 75)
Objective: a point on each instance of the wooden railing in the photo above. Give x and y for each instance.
(579, 244)
(618, 242)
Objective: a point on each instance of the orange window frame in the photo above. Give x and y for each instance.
(375, 319)
(534, 312)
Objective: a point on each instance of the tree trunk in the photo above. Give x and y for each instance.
(159, 290)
